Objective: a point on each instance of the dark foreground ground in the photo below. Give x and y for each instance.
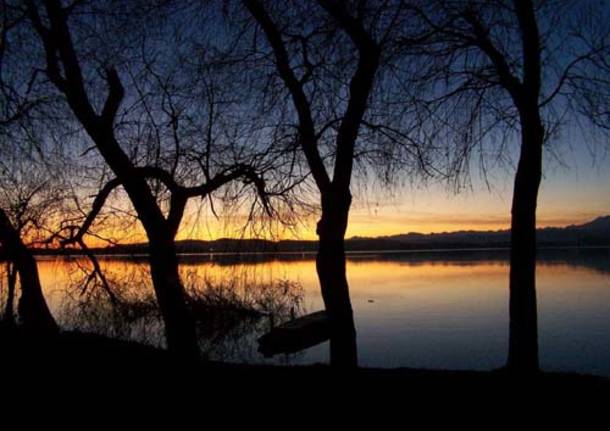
(104, 374)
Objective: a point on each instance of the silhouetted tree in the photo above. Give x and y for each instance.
(33, 310)
(11, 282)
(25, 192)
(64, 68)
(21, 210)
(491, 68)
(334, 62)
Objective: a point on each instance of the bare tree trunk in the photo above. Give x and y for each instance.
(179, 323)
(523, 333)
(330, 265)
(11, 276)
(33, 310)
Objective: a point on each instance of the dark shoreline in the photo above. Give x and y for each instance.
(72, 356)
(492, 250)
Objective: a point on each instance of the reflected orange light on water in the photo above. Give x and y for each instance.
(440, 310)
(444, 286)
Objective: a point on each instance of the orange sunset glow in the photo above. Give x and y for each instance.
(424, 210)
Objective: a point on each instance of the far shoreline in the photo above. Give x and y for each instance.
(105, 253)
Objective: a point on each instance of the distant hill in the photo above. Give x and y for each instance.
(594, 233)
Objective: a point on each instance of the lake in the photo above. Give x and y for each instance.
(433, 309)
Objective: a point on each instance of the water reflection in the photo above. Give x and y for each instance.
(230, 311)
(432, 309)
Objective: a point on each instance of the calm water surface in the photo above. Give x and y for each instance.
(427, 309)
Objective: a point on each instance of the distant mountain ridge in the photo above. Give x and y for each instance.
(593, 233)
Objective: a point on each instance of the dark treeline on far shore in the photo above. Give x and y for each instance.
(596, 258)
(593, 234)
